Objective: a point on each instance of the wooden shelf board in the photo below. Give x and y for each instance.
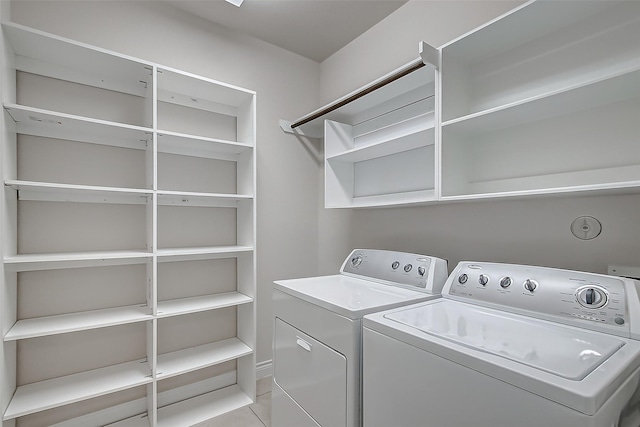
(197, 146)
(49, 191)
(172, 81)
(522, 24)
(202, 408)
(629, 187)
(396, 199)
(422, 138)
(185, 198)
(56, 392)
(30, 262)
(182, 306)
(73, 322)
(46, 54)
(191, 359)
(604, 90)
(52, 124)
(186, 254)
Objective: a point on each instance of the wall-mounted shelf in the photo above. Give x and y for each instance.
(129, 220)
(380, 139)
(61, 391)
(548, 80)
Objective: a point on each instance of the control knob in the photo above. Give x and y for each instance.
(395, 265)
(421, 271)
(483, 279)
(591, 296)
(505, 282)
(530, 285)
(356, 260)
(407, 268)
(462, 279)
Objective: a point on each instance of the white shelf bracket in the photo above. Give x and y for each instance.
(429, 55)
(285, 125)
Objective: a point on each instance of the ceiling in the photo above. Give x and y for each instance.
(312, 28)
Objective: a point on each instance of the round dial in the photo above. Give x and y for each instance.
(592, 296)
(530, 285)
(395, 265)
(483, 279)
(462, 279)
(356, 260)
(421, 271)
(505, 282)
(407, 268)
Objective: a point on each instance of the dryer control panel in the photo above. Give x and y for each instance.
(588, 300)
(407, 270)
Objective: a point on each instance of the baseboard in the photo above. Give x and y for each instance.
(264, 369)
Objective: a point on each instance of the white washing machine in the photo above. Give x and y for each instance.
(318, 332)
(508, 346)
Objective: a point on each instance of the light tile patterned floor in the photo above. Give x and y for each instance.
(256, 415)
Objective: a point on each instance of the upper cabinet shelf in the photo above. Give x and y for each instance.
(56, 57)
(73, 78)
(543, 100)
(380, 139)
(542, 47)
(547, 80)
(198, 106)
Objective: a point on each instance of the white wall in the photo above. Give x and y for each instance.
(530, 231)
(286, 84)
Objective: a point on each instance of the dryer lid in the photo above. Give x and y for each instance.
(564, 351)
(348, 296)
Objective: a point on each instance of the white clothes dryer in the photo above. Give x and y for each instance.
(508, 346)
(317, 335)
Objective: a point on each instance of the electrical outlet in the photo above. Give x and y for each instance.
(624, 271)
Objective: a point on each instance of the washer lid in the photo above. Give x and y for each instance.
(349, 296)
(560, 350)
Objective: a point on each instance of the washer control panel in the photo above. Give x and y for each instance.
(573, 297)
(413, 271)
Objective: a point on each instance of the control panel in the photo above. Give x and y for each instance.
(573, 297)
(418, 272)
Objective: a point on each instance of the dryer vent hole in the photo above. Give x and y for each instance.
(586, 227)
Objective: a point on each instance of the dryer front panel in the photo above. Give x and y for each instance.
(313, 374)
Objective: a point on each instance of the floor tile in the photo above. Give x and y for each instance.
(263, 385)
(243, 417)
(262, 408)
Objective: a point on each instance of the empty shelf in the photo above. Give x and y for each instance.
(203, 407)
(72, 322)
(191, 359)
(201, 303)
(60, 391)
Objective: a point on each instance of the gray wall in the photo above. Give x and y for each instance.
(287, 85)
(529, 231)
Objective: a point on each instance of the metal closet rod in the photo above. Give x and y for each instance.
(410, 68)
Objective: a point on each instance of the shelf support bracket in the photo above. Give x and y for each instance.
(429, 55)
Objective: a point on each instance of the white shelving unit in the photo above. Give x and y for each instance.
(380, 141)
(543, 100)
(384, 155)
(129, 249)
